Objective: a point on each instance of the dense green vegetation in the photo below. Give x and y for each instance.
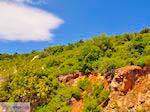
(33, 77)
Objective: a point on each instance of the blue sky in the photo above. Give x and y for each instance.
(84, 19)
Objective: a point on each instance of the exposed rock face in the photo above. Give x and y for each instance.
(134, 83)
(68, 77)
(77, 106)
(136, 99)
(93, 78)
(147, 69)
(123, 79)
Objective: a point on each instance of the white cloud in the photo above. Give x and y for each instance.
(25, 23)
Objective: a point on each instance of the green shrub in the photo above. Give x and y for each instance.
(44, 108)
(76, 93)
(141, 110)
(106, 64)
(98, 88)
(91, 105)
(103, 95)
(145, 30)
(83, 84)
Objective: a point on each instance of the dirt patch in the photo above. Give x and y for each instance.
(77, 105)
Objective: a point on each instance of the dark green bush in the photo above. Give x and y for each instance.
(83, 84)
(91, 105)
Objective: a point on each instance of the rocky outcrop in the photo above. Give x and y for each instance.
(77, 106)
(130, 89)
(146, 69)
(68, 77)
(136, 99)
(124, 79)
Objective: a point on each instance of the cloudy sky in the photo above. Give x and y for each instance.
(19, 21)
(27, 25)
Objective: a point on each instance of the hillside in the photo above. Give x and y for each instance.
(130, 90)
(80, 77)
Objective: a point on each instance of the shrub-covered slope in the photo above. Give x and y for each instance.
(33, 77)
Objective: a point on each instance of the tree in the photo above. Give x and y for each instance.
(145, 30)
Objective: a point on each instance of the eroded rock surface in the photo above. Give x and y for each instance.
(130, 90)
(68, 77)
(124, 79)
(136, 99)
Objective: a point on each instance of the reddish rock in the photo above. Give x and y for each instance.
(138, 98)
(93, 78)
(123, 79)
(77, 106)
(147, 69)
(68, 77)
